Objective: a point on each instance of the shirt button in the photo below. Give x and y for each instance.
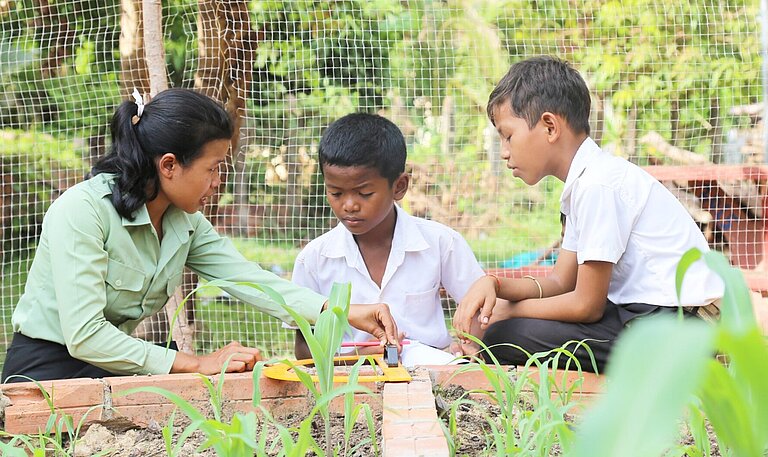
(119, 282)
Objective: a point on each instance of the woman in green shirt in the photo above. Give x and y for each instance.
(113, 249)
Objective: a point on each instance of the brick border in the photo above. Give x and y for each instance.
(410, 426)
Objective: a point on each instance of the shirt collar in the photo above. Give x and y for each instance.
(587, 152)
(175, 219)
(407, 238)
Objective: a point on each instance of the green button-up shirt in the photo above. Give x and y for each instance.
(96, 275)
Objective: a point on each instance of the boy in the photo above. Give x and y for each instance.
(387, 255)
(624, 235)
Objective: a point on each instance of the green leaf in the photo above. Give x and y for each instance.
(736, 312)
(728, 410)
(690, 256)
(655, 367)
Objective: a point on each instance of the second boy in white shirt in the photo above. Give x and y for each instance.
(387, 255)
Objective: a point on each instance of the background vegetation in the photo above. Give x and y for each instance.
(677, 69)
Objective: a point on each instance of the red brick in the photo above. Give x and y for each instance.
(421, 414)
(64, 393)
(475, 379)
(424, 428)
(434, 446)
(395, 388)
(459, 375)
(239, 386)
(399, 447)
(33, 421)
(143, 415)
(190, 387)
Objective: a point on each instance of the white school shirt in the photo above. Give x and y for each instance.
(616, 212)
(424, 255)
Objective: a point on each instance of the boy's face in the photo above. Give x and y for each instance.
(526, 150)
(360, 197)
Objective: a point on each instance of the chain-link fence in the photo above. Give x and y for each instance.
(673, 83)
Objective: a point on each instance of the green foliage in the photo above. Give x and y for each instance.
(661, 366)
(525, 425)
(238, 437)
(324, 343)
(36, 168)
(52, 56)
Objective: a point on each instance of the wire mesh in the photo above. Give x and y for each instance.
(672, 84)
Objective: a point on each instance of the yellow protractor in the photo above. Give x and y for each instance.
(284, 371)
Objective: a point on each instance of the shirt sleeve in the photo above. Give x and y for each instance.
(601, 228)
(214, 257)
(459, 267)
(302, 276)
(78, 260)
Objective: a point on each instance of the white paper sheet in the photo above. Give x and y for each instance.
(420, 354)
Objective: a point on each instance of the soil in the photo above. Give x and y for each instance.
(113, 440)
(473, 436)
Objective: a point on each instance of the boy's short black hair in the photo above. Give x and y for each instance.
(540, 84)
(364, 140)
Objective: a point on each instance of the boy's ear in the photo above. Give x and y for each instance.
(400, 186)
(553, 124)
(167, 164)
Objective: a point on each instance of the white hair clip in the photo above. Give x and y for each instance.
(140, 104)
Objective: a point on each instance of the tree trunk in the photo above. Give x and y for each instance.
(226, 52)
(154, 51)
(134, 71)
(58, 37)
(142, 58)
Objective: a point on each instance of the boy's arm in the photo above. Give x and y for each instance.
(568, 297)
(572, 293)
(300, 347)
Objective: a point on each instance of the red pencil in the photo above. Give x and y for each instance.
(355, 344)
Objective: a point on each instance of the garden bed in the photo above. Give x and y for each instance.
(406, 420)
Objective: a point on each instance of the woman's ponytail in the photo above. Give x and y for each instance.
(179, 121)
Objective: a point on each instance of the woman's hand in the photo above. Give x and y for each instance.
(482, 295)
(376, 320)
(241, 358)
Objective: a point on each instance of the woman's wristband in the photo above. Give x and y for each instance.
(538, 284)
(497, 285)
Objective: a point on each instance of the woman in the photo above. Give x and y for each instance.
(113, 248)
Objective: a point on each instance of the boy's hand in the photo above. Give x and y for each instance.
(376, 320)
(480, 297)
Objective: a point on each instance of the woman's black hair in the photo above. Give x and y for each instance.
(179, 121)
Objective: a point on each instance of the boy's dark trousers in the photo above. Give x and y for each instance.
(44, 360)
(541, 335)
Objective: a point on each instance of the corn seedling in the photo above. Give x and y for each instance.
(324, 342)
(660, 367)
(519, 428)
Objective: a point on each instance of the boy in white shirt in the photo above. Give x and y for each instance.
(386, 254)
(624, 236)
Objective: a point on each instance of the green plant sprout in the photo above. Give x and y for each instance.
(241, 437)
(662, 367)
(324, 344)
(519, 429)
